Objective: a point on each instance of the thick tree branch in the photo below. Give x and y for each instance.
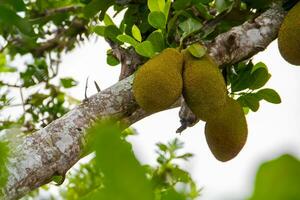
(56, 148)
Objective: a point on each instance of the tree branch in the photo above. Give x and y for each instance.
(56, 148)
(129, 59)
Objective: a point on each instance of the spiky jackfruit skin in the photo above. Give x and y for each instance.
(204, 88)
(158, 83)
(289, 36)
(227, 133)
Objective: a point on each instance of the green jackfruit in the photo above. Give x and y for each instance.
(158, 83)
(289, 36)
(204, 88)
(227, 133)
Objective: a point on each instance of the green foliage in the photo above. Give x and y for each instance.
(167, 175)
(4, 152)
(82, 181)
(197, 50)
(136, 33)
(68, 82)
(278, 179)
(157, 19)
(118, 174)
(9, 18)
(4, 68)
(246, 80)
(122, 172)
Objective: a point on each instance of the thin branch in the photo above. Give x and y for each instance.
(129, 59)
(11, 85)
(22, 99)
(61, 10)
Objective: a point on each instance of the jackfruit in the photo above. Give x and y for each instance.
(204, 88)
(289, 36)
(227, 133)
(158, 83)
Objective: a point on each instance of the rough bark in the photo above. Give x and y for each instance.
(56, 148)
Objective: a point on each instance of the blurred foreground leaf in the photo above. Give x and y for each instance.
(278, 179)
(124, 177)
(3, 159)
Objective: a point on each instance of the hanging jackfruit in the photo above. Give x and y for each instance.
(158, 83)
(204, 88)
(227, 133)
(289, 36)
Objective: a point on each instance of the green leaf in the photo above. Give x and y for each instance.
(242, 80)
(107, 20)
(68, 82)
(259, 65)
(112, 60)
(197, 50)
(222, 5)
(203, 11)
(111, 32)
(9, 17)
(96, 6)
(128, 39)
(162, 147)
(58, 180)
(37, 99)
(181, 175)
(3, 66)
(153, 5)
(269, 95)
(157, 19)
(172, 194)
(145, 49)
(157, 40)
(278, 179)
(181, 4)
(18, 5)
(128, 183)
(99, 30)
(4, 153)
(190, 25)
(136, 33)
(259, 78)
(249, 100)
(161, 4)
(166, 9)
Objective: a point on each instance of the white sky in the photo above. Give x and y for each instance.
(273, 130)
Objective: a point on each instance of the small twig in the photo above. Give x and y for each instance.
(97, 86)
(86, 87)
(187, 117)
(4, 47)
(11, 85)
(16, 105)
(61, 10)
(22, 99)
